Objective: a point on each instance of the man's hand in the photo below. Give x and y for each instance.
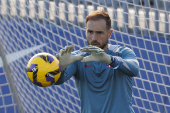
(97, 55)
(65, 58)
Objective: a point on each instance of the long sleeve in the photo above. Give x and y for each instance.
(67, 74)
(128, 63)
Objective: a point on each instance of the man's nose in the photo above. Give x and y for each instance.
(94, 37)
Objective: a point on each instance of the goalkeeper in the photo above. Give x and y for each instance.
(103, 72)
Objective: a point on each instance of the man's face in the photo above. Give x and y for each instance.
(97, 33)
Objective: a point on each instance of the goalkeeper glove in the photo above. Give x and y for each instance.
(97, 55)
(65, 58)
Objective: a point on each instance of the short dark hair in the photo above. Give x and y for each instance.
(100, 14)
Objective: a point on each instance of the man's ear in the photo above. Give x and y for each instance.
(110, 33)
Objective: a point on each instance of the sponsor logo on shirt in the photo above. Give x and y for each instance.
(88, 65)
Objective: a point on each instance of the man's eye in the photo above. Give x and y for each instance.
(90, 31)
(100, 32)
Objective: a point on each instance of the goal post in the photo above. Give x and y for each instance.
(28, 27)
(9, 77)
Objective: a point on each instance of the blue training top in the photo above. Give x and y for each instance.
(103, 89)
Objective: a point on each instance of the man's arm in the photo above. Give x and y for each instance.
(67, 74)
(67, 62)
(128, 63)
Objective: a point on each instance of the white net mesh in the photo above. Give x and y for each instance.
(28, 27)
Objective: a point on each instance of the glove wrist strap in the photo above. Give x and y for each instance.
(114, 62)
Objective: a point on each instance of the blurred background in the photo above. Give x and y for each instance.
(28, 27)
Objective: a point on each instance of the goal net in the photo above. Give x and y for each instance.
(28, 27)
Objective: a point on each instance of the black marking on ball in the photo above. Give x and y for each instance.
(35, 73)
(44, 58)
(47, 58)
(34, 69)
(54, 72)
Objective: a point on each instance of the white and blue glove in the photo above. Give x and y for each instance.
(65, 58)
(97, 55)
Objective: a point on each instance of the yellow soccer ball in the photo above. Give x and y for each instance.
(43, 69)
